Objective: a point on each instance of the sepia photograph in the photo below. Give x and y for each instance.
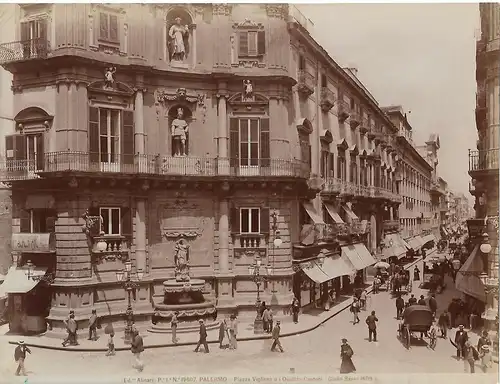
(249, 192)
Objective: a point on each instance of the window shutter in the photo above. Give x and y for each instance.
(126, 221)
(42, 29)
(25, 221)
(234, 145)
(113, 27)
(235, 220)
(40, 155)
(9, 147)
(264, 220)
(93, 134)
(330, 165)
(243, 44)
(309, 155)
(128, 137)
(261, 42)
(265, 150)
(20, 147)
(50, 223)
(103, 25)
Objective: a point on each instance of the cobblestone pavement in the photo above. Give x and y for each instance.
(310, 353)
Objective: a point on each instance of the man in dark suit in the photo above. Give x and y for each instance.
(400, 305)
(276, 337)
(371, 321)
(433, 304)
(460, 339)
(203, 337)
(20, 356)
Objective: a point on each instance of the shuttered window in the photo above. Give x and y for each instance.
(108, 27)
(249, 142)
(330, 165)
(25, 151)
(324, 164)
(250, 220)
(37, 220)
(251, 43)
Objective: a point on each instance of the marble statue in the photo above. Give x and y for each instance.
(177, 34)
(181, 260)
(109, 77)
(248, 90)
(179, 134)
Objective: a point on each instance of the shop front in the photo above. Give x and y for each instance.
(27, 282)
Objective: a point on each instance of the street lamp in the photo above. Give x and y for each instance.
(258, 278)
(125, 277)
(48, 277)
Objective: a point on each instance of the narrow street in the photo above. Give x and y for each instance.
(310, 353)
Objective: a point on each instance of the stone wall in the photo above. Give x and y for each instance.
(5, 229)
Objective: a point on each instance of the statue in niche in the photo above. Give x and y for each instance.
(179, 134)
(247, 90)
(109, 77)
(181, 260)
(178, 40)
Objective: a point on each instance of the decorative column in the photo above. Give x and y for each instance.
(224, 236)
(139, 134)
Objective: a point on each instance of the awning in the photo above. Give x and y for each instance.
(402, 241)
(313, 214)
(33, 242)
(314, 271)
(335, 266)
(17, 280)
(333, 213)
(349, 212)
(468, 280)
(398, 249)
(428, 238)
(358, 255)
(415, 243)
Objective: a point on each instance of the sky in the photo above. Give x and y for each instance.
(420, 56)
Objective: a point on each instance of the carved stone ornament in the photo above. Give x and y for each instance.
(164, 96)
(248, 101)
(185, 232)
(181, 260)
(277, 10)
(250, 252)
(222, 9)
(247, 94)
(109, 78)
(179, 205)
(248, 24)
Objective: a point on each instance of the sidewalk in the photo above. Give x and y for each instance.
(308, 321)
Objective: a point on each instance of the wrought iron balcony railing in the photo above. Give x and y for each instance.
(69, 161)
(483, 160)
(38, 48)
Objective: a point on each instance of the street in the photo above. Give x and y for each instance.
(310, 353)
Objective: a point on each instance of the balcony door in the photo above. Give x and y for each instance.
(34, 38)
(109, 139)
(34, 153)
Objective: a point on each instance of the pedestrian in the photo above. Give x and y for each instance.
(362, 299)
(371, 321)
(173, 326)
(416, 273)
(433, 304)
(453, 309)
(346, 353)
(233, 332)
(71, 328)
(93, 325)
(137, 347)
(270, 320)
(223, 334)
(483, 340)
(421, 301)
(412, 300)
(469, 358)
(486, 358)
(203, 337)
(155, 319)
(400, 304)
(376, 284)
(461, 338)
(444, 323)
(355, 311)
(276, 338)
(265, 319)
(295, 309)
(111, 344)
(262, 308)
(20, 356)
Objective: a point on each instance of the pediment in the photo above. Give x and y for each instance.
(354, 150)
(118, 88)
(256, 99)
(304, 126)
(363, 153)
(248, 24)
(342, 145)
(33, 115)
(326, 136)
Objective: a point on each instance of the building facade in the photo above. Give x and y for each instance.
(417, 173)
(483, 162)
(139, 135)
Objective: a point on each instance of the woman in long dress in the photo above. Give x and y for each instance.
(346, 352)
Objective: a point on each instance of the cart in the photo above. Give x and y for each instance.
(401, 283)
(416, 318)
(433, 277)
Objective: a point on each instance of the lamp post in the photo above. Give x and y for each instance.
(125, 277)
(276, 238)
(258, 278)
(30, 274)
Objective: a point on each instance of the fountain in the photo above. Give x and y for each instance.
(183, 295)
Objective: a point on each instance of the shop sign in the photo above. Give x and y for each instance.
(33, 242)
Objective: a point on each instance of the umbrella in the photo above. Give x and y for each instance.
(382, 264)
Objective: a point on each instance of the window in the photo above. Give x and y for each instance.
(251, 43)
(323, 81)
(250, 142)
(249, 220)
(353, 171)
(25, 151)
(109, 135)
(341, 167)
(305, 149)
(34, 29)
(110, 221)
(302, 63)
(37, 221)
(108, 27)
(324, 163)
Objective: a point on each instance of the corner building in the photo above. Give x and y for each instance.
(98, 135)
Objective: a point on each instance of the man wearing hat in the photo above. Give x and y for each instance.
(137, 347)
(93, 326)
(203, 337)
(233, 332)
(461, 338)
(173, 326)
(276, 337)
(71, 327)
(20, 356)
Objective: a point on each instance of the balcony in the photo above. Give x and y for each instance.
(57, 163)
(390, 225)
(355, 119)
(483, 161)
(327, 99)
(364, 126)
(249, 244)
(436, 189)
(333, 186)
(24, 50)
(322, 233)
(343, 111)
(305, 83)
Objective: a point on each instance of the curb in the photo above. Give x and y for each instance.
(248, 338)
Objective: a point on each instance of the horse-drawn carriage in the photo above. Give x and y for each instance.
(417, 318)
(434, 272)
(401, 282)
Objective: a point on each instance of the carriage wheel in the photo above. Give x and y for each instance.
(407, 337)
